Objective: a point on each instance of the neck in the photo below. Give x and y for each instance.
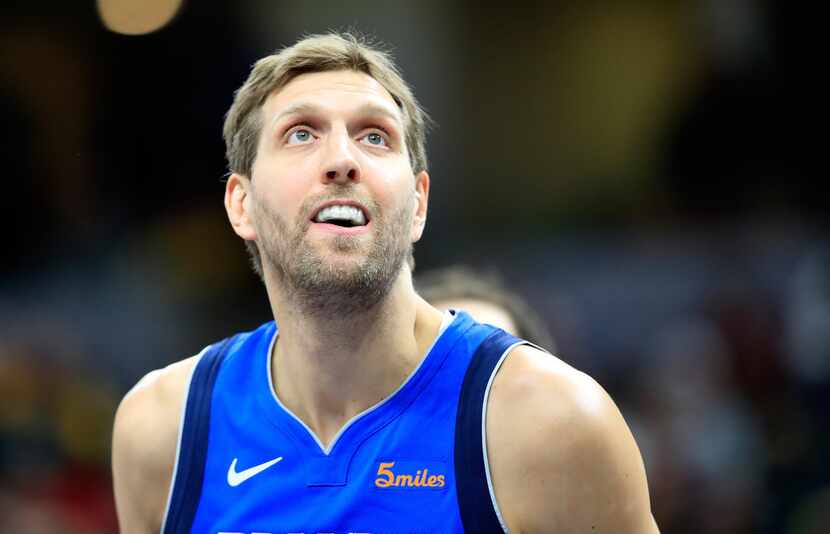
(328, 369)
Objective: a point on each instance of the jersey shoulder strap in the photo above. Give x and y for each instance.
(193, 441)
(476, 499)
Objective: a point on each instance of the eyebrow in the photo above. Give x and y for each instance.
(305, 108)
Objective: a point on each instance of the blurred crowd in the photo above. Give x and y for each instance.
(54, 426)
(729, 408)
(638, 174)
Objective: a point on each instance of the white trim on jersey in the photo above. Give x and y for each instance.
(445, 322)
(484, 427)
(179, 441)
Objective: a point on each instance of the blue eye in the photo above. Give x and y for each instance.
(375, 139)
(298, 137)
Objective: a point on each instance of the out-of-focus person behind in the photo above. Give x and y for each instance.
(485, 296)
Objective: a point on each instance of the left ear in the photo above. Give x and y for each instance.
(238, 206)
(421, 201)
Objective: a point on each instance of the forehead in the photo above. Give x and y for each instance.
(340, 90)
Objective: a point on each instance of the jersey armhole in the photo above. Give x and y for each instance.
(191, 449)
(474, 487)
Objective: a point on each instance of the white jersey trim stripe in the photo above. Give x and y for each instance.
(179, 442)
(484, 433)
(447, 320)
(484, 428)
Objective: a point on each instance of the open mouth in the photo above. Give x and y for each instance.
(343, 215)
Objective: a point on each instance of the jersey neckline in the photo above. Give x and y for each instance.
(364, 423)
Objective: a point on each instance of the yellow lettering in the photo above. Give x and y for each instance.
(386, 478)
(403, 480)
(383, 471)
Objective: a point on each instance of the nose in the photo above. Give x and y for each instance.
(340, 165)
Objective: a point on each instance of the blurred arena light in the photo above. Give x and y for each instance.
(137, 17)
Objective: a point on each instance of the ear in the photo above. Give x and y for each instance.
(238, 201)
(421, 199)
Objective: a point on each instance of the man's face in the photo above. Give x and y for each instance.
(332, 198)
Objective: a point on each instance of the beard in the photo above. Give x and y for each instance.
(335, 289)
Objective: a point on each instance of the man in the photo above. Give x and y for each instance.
(485, 297)
(369, 410)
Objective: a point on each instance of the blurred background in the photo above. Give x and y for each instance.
(637, 169)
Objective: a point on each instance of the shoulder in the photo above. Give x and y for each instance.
(149, 413)
(145, 437)
(560, 451)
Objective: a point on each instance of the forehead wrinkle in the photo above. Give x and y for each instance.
(371, 108)
(365, 109)
(298, 108)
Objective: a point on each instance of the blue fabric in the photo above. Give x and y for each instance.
(191, 462)
(475, 503)
(392, 470)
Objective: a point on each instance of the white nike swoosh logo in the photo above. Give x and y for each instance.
(235, 479)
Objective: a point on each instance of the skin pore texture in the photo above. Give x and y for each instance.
(352, 328)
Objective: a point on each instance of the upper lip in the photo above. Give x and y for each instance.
(341, 202)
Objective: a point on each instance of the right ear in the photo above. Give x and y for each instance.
(238, 204)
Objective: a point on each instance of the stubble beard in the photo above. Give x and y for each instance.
(335, 290)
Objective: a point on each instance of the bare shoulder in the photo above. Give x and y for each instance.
(144, 442)
(561, 456)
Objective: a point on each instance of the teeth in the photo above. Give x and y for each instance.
(343, 213)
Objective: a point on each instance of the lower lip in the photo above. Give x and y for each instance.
(341, 230)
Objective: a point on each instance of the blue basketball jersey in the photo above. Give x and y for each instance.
(414, 463)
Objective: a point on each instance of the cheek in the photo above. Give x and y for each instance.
(391, 183)
(282, 182)
(269, 213)
(388, 171)
(279, 198)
